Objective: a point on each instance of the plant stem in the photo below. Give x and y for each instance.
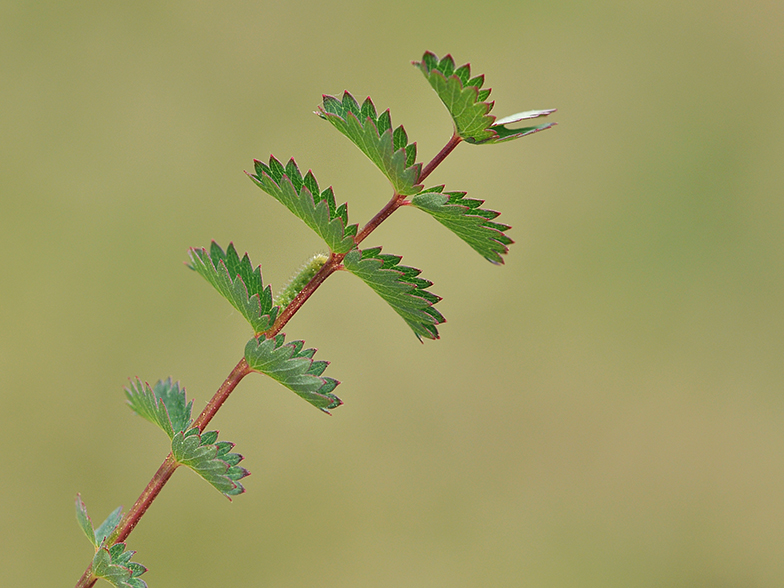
(441, 156)
(382, 215)
(332, 265)
(242, 369)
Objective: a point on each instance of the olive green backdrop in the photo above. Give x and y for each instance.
(605, 410)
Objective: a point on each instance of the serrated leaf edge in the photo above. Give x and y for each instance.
(113, 565)
(211, 460)
(401, 159)
(482, 220)
(261, 319)
(293, 367)
(149, 398)
(408, 295)
(328, 221)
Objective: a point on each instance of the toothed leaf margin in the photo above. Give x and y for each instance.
(211, 459)
(465, 219)
(238, 281)
(303, 198)
(467, 103)
(389, 149)
(295, 368)
(114, 565)
(399, 285)
(163, 404)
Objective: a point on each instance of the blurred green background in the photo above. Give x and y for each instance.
(605, 410)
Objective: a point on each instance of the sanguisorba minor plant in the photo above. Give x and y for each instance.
(291, 364)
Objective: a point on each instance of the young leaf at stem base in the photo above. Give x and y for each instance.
(465, 219)
(294, 367)
(373, 134)
(85, 524)
(466, 102)
(400, 287)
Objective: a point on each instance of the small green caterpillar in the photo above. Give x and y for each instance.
(300, 279)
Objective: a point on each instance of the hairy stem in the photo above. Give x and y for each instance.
(242, 369)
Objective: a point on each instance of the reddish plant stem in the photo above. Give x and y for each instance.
(242, 369)
(144, 501)
(441, 156)
(332, 265)
(382, 215)
(167, 468)
(87, 580)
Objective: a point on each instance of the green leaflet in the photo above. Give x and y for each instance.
(97, 536)
(400, 287)
(107, 527)
(85, 524)
(294, 367)
(302, 197)
(373, 134)
(466, 102)
(465, 219)
(211, 460)
(164, 404)
(238, 282)
(114, 565)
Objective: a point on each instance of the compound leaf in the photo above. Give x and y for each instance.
(302, 197)
(238, 281)
(164, 404)
(389, 149)
(114, 565)
(294, 367)
(210, 459)
(399, 285)
(467, 102)
(465, 219)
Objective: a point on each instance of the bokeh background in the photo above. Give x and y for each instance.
(604, 410)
